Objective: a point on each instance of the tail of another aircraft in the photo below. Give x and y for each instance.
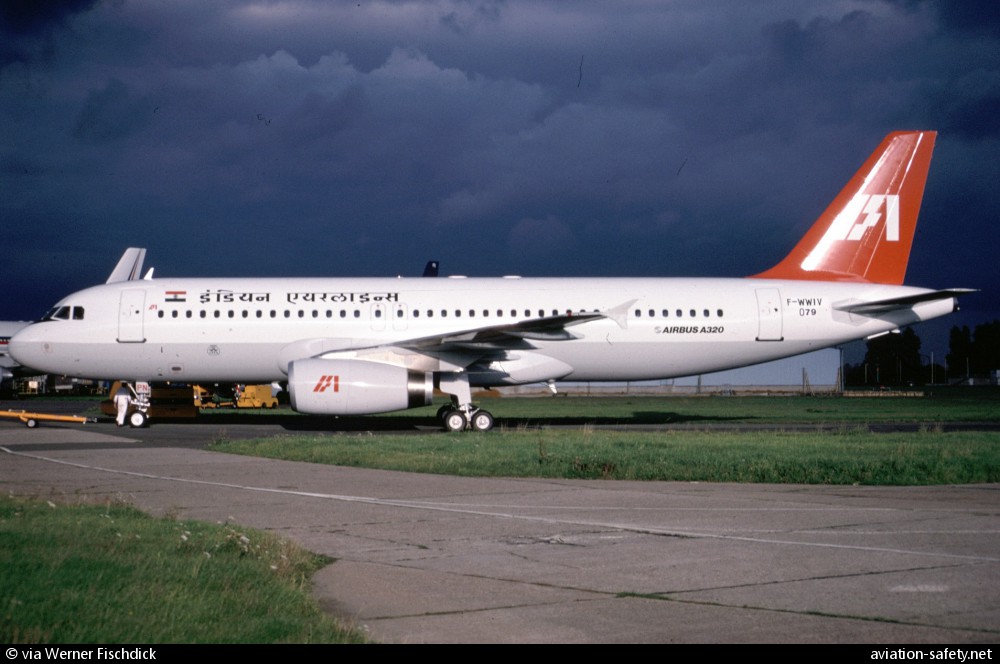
(866, 233)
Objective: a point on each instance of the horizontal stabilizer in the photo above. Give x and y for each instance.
(891, 304)
(129, 266)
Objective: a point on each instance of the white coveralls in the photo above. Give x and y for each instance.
(122, 401)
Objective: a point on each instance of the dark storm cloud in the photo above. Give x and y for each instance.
(302, 137)
(32, 17)
(110, 113)
(28, 26)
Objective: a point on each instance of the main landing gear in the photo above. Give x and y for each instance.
(461, 414)
(456, 419)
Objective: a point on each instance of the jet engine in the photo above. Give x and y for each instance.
(356, 387)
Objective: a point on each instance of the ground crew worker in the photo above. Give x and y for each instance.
(122, 401)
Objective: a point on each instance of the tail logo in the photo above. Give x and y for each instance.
(872, 211)
(326, 382)
(864, 211)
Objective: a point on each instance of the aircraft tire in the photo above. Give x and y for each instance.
(482, 420)
(138, 419)
(455, 420)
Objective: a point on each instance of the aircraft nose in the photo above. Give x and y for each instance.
(25, 348)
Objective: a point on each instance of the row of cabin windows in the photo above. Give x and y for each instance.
(665, 313)
(344, 313)
(400, 313)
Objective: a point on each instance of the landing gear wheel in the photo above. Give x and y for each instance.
(138, 419)
(482, 420)
(455, 420)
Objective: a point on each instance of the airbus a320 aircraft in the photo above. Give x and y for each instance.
(358, 346)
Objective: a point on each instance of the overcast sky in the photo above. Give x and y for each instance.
(548, 138)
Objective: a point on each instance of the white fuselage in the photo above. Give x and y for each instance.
(249, 330)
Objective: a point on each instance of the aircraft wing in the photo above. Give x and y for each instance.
(892, 304)
(550, 328)
(461, 348)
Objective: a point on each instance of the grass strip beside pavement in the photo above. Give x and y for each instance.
(112, 574)
(851, 456)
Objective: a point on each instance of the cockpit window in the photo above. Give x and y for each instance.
(64, 313)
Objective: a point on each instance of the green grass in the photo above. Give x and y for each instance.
(599, 437)
(110, 574)
(943, 405)
(849, 456)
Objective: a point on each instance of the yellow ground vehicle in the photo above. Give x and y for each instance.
(236, 396)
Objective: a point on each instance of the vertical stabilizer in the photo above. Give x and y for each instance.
(129, 266)
(866, 232)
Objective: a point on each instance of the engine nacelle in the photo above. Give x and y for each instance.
(356, 387)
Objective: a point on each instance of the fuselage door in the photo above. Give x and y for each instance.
(769, 324)
(130, 311)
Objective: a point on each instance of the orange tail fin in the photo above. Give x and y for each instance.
(866, 232)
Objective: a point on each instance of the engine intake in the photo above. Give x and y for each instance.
(356, 387)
